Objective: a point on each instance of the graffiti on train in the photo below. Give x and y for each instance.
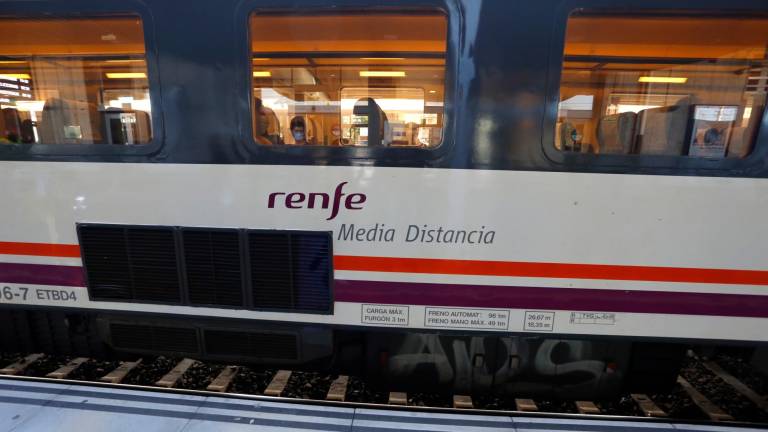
(512, 365)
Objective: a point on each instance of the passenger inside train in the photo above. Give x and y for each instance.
(299, 131)
(88, 86)
(262, 120)
(337, 138)
(395, 62)
(650, 84)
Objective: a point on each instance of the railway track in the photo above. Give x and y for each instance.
(707, 390)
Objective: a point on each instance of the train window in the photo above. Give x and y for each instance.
(352, 79)
(681, 84)
(74, 81)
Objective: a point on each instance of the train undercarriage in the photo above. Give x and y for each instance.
(532, 366)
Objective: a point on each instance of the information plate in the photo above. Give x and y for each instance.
(459, 318)
(539, 321)
(384, 314)
(600, 318)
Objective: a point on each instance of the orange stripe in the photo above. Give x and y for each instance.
(550, 270)
(40, 249)
(480, 268)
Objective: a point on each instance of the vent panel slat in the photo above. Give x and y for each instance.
(311, 271)
(270, 270)
(290, 271)
(212, 259)
(130, 263)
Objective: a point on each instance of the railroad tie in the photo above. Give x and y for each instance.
(398, 398)
(463, 402)
(120, 372)
(714, 412)
(21, 365)
(223, 380)
(587, 407)
(526, 405)
(338, 390)
(739, 386)
(278, 383)
(68, 368)
(647, 406)
(170, 379)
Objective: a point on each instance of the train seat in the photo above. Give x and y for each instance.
(661, 131)
(10, 125)
(143, 127)
(616, 133)
(56, 115)
(743, 138)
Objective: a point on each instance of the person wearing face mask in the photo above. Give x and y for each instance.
(337, 139)
(299, 130)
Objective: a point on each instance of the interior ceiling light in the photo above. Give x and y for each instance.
(382, 74)
(14, 76)
(262, 74)
(124, 61)
(126, 75)
(664, 80)
(382, 58)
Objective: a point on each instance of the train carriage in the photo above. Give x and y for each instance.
(487, 195)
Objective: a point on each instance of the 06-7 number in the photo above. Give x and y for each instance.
(19, 293)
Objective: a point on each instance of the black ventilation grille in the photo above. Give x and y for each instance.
(311, 271)
(277, 346)
(152, 338)
(290, 270)
(213, 267)
(270, 257)
(105, 257)
(130, 263)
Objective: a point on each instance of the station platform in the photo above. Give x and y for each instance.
(41, 406)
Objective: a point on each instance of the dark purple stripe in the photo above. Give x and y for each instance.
(42, 274)
(578, 299)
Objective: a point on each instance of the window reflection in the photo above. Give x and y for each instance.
(74, 81)
(346, 76)
(669, 83)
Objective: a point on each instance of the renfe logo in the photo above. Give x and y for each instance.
(297, 200)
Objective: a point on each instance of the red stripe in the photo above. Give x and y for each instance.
(481, 268)
(550, 270)
(40, 249)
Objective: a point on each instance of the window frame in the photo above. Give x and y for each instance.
(756, 161)
(348, 154)
(85, 9)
